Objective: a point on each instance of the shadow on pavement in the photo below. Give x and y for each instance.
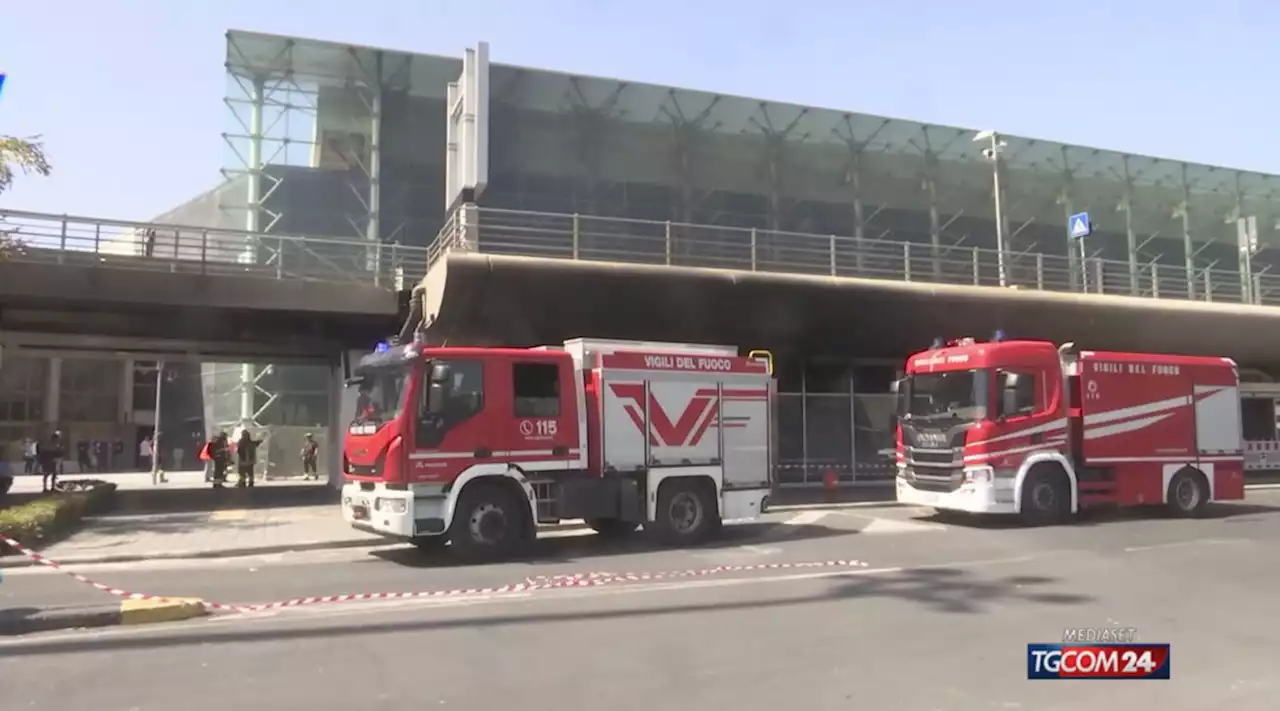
(1102, 516)
(571, 548)
(942, 589)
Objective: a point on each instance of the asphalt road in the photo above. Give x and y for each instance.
(938, 620)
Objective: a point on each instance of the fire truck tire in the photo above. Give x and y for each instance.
(612, 527)
(687, 513)
(6, 482)
(1188, 493)
(489, 522)
(1046, 496)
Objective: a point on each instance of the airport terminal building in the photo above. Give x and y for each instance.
(350, 142)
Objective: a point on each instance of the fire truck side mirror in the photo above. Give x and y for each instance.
(1008, 394)
(435, 398)
(899, 390)
(439, 373)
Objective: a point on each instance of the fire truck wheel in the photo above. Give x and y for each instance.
(687, 513)
(1046, 496)
(612, 527)
(488, 522)
(1188, 493)
(5, 483)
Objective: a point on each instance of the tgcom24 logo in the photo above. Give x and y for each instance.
(2, 76)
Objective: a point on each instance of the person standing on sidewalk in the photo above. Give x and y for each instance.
(246, 458)
(145, 451)
(310, 457)
(220, 452)
(50, 454)
(30, 451)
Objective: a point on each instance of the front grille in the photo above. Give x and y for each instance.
(933, 457)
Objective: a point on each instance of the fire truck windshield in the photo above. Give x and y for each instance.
(951, 395)
(381, 394)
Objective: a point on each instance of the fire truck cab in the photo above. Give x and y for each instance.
(1028, 428)
(477, 446)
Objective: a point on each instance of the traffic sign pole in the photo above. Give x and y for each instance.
(1078, 227)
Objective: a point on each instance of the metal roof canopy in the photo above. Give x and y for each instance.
(1044, 173)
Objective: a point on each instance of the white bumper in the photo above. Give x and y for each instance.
(972, 497)
(383, 511)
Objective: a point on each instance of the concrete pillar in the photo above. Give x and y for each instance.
(125, 409)
(53, 392)
(337, 426)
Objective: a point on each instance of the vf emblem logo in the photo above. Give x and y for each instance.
(687, 430)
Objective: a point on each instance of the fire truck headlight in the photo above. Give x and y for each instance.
(979, 475)
(395, 506)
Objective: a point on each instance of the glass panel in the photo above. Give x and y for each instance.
(830, 436)
(874, 424)
(791, 464)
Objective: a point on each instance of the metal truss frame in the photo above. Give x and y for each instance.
(590, 121)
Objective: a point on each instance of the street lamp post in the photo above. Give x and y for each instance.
(157, 476)
(992, 153)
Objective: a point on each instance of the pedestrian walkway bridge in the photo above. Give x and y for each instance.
(93, 276)
(533, 277)
(526, 277)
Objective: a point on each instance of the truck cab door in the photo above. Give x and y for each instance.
(1026, 400)
(450, 430)
(543, 422)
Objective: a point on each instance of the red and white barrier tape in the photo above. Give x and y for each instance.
(553, 582)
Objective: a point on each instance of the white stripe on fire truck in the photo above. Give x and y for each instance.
(1057, 424)
(1126, 426)
(511, 453)
(1124, 413)
(1048, 446)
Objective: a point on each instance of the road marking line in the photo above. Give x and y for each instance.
(806, 518)
(889, 525)
(1183, 544)
(229, 515)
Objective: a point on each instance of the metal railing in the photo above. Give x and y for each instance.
(86, 241)
(614, 239)
(186, 249)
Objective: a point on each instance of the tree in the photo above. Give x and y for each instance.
(19, 156)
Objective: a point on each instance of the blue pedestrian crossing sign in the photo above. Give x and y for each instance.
(1078, 225)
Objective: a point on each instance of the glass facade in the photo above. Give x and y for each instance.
(311, 122)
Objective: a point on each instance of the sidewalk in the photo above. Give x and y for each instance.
(109, 539)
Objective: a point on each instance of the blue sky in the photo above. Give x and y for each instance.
(128, 93)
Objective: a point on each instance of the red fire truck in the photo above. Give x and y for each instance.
(477, 446)
(1027, 428)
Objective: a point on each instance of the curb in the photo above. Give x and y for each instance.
(146, 612)
(125, 612)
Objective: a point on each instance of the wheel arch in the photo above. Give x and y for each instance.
(1203, 470)
(711, 477)
(508, 475)
(1042, 459)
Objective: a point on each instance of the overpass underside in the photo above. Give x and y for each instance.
(479, 298)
